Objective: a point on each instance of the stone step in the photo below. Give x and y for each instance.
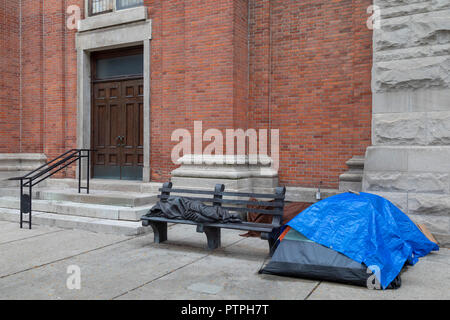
(15, 192)
(90, 210)
(110, 198)
(107, 185)
(128, 228)
(114, 198)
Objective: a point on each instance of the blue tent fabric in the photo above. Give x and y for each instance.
(368, 229)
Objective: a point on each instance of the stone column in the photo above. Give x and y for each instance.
(409, 162)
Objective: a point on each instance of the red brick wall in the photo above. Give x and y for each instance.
(9, 77)
(48, 72)
(240, 64)
(32, 74)
(49, 78)
(310, 64)
(199, 71)
(300, 66)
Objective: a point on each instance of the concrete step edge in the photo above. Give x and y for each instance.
(95, 211)
(109, 199)
(109, 185)
(74, 222)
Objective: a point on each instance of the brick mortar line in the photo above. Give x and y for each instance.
(170, 272)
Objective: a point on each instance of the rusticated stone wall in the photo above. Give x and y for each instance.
(409, 161)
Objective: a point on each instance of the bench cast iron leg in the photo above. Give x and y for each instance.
(213, 236)
(159, 231)
(270, 240)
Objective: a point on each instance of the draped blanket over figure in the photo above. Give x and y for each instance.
(185, 209)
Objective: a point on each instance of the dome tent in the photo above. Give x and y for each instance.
(338, 238)
(297, 256)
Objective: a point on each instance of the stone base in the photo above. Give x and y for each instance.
(235, 172)
(18, 164)
(345, 186)
(303, 194)
(416, 179)
(352, 179)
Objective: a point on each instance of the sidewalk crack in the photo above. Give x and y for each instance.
(312, 291)
(37, 235)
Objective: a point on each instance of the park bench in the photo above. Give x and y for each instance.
(273, 205)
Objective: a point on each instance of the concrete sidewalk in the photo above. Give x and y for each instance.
(34, 263)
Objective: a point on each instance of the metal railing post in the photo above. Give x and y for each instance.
(79, 171)
(21, 206)
(88, 167)
(31, 197)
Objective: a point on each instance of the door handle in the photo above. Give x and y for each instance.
(120, 141)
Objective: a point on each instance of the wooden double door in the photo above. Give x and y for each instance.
(117, 132)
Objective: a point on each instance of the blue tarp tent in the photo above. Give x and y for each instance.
(366, 228)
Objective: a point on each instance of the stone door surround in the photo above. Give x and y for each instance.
(107, 34)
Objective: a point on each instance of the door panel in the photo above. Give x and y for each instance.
(133, 125)
(118, 129)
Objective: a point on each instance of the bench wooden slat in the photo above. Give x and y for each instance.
(186, 191)
(247, 226)
(275, 204)
(251, 195)
(274, 212)
(223, 193)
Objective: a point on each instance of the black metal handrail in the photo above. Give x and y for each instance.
(46, 171)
